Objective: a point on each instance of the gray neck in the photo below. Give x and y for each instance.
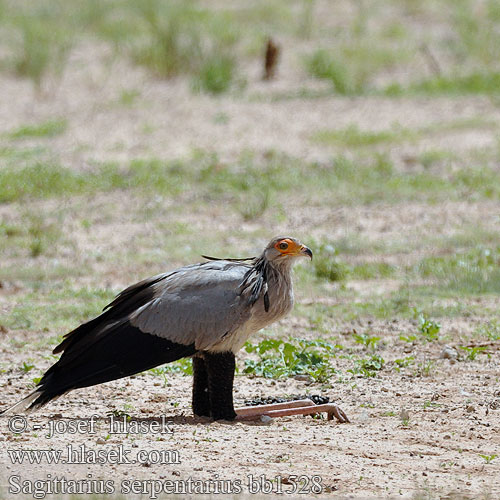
(282, 266)
(282, 270)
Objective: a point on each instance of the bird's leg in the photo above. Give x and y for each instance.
(299, 407)
(220, 370)
(201, 401)
(258, 410)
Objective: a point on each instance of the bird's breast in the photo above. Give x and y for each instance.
(280, 294)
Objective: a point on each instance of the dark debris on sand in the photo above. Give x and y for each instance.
(315, 398)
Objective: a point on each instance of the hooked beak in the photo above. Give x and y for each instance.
(306, 251)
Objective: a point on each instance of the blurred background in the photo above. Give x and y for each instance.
(137, 135)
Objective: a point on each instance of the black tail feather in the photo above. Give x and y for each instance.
(121, 350)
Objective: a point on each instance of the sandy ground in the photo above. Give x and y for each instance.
(409, 436)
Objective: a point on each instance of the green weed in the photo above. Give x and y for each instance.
(430, 404)
(491, 330)
(278, 359)
(353, 137)
(474, 83)
(26, 367)
(403, 362)
(472, 352)
(183, 366)
(372, 270)
(306, 19)
(473, 272)
(256, 182)
(488, 458)
(42, 234)
(39, 180)
(389, 413)
(428, 327)
(34, 232)
(351, 66)
(405, 421)
(369, 341)
(322, 65)
(477, 30)
(42, 35)
(430, 158)
(59, 308)
(50, 128)
(216, 74)
(118, 414)
(425, 368)
(253, 205)
(180, 37)
(368, 367)
(326, 263)
(408, 338)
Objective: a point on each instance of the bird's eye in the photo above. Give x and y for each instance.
(283, 245)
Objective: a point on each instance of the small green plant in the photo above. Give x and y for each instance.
(43, 39)
(369, 341)
(488, 458)
(490, 330)
(326, 263)
(306, 19)
(368, 367)
(427, 327)
(180, 37)
(277, 359)
(322, 65)
(475, 271)
(404, 416)
(411, 338)
(253, 205)
(41, 234)
(216, 74)
(389, 413)
(472, 351)
(425, 368)
(183, 366)
(430, 404)
(403, 362)
(119, 414)
(372, 270)
(26, 367)
(367, 405)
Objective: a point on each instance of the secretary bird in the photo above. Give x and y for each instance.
(205, 311)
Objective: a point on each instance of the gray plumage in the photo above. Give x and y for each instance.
(208, 306)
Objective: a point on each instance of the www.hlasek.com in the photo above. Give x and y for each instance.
(152, 488)
(82, 454)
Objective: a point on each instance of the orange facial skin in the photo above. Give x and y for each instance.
(287, 246)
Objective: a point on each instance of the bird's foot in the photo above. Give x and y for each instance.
(299, 407)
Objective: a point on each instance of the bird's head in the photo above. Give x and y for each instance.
(285, 250)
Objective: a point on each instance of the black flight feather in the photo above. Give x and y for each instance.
(122, 351)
